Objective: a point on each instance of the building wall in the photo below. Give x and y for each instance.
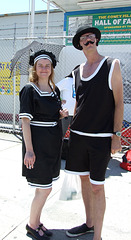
(17, 24)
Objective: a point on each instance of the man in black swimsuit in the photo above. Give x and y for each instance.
(95, 129)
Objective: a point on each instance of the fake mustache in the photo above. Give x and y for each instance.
(86, 44)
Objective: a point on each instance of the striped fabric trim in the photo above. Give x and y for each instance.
(41, 57)
(56, 178)
(97, 182)
(43, 124)
(86, 174)
(92, 134)
(41, 93)
(111, 71)
(40, 185)
(25, 115)
(96, 71)
(78, 173)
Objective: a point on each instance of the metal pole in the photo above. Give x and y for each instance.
(14, 102)
(32, 17)
(47, 19)
(28, 34)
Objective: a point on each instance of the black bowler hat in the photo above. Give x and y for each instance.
(82, 30)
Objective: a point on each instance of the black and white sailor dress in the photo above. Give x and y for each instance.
(42, 108)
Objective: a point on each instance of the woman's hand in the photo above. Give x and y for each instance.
(29, 159)
(63, 113)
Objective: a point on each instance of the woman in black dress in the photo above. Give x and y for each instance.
(40, 111)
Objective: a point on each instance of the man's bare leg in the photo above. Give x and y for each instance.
(94, 202)
(86, 189)
(99, 205)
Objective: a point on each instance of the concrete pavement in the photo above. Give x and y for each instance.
(58, 215)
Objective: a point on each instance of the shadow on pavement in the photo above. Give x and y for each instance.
(60, 234)
(114, 168)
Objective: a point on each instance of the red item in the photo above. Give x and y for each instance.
(126, 164)
(67, 134)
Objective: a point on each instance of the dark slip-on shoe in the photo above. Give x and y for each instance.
(35, 233)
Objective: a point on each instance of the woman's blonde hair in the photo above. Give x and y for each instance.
(33, 77)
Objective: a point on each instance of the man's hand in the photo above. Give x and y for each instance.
(116, 144)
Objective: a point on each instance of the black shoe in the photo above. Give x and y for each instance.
(35, 233)
(80, 230)
(47, 232)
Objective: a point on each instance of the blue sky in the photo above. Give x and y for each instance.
(15, 6)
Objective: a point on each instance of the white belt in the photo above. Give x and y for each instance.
(43, 124)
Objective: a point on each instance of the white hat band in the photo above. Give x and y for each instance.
(42, 56)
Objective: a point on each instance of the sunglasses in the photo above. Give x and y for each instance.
(91, 36)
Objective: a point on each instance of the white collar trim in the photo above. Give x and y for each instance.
(41, 93)
(96, 71)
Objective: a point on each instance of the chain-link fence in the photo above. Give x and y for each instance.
(68, 59)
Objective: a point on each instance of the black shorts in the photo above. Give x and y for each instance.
(89, 156)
